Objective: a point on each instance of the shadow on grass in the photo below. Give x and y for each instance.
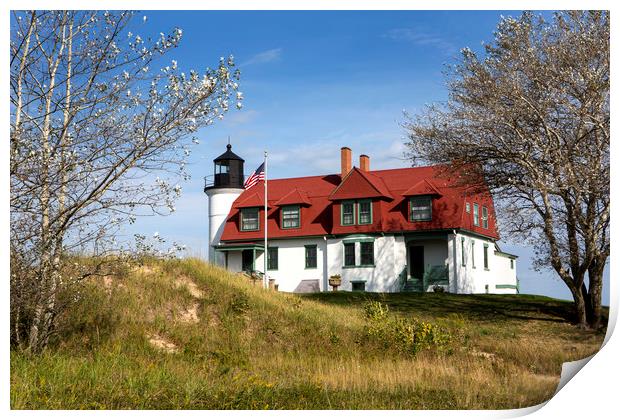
(482, 307)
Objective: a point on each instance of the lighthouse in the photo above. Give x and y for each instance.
(227, 186)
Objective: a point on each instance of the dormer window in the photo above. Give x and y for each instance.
(291, 217)
(420, 209)
(364, 216)
(348, 213)
(249, 219)
(476, 220)
(356, 212)
(485, 217)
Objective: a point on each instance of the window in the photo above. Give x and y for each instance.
(349, 255)
(463, 251)
(272, 258)
(467, 208)
(349, 208)
(365, 246)
(420, 209)
(221, 168)
(347, 215)
(473, 249)
(485, 217)
(290, 217)
(512, 264)
(249, 219)
(486, 256)
(310, 256)
(358, 286)
(476, 222)
(367, 253)
(364, 216)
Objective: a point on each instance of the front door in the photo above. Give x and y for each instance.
(416, 262)
(247, 260)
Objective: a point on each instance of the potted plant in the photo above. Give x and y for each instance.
(334, 281)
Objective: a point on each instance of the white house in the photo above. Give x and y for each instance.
(407, 229)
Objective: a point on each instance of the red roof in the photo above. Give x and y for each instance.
(424, 187)
(295, 196)
(251, 198)
(360, 184)
(389, 190)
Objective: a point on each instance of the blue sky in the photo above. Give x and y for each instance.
(316, 81)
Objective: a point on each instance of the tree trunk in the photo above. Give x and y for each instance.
(595, 278)
(579, 300)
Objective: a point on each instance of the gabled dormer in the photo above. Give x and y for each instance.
(420, 198)
(291, 205)
(250, 209)
(359, 184)
(357, 198)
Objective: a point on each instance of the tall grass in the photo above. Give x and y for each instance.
(249, 348)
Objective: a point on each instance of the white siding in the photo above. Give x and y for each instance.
(292, 263)
(220, 202)
(390, 256)
(504, 275)
(473, 277)
(383, 277)
(234, 261)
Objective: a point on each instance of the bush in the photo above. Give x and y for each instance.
(406, 335)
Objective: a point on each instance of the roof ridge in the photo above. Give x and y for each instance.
(372, 172)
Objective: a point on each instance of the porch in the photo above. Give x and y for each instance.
(242, 257)
(427, 263)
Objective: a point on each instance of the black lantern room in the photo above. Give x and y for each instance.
(228, 170)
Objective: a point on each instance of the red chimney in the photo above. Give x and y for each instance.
(345, 161)
(364, 163)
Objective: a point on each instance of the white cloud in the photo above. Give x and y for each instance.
(420, 38)
(322, 156)
(263, 57)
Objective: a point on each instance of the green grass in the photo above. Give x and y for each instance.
(240, 347)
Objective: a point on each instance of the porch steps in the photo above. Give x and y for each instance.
(412, 286)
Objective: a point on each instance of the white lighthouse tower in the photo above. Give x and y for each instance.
(227, 186)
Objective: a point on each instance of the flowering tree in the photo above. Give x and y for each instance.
(532, 117)
(92, 124)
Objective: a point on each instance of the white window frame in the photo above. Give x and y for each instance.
(476, 215)
(243, 221)
(421, 210)
(485, 217)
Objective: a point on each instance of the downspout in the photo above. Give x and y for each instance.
(454, 265)
(325, 265)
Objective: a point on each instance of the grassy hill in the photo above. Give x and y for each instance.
(185, 335)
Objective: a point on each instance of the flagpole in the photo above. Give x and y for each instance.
(265, 281)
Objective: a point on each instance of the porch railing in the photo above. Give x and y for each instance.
(402, 279)
(435, 275)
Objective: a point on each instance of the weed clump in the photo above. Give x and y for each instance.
(406, 335)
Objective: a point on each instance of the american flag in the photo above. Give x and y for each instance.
(257, 175)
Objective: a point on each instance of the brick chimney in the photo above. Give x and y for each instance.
(364, 163)
(345, 161)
